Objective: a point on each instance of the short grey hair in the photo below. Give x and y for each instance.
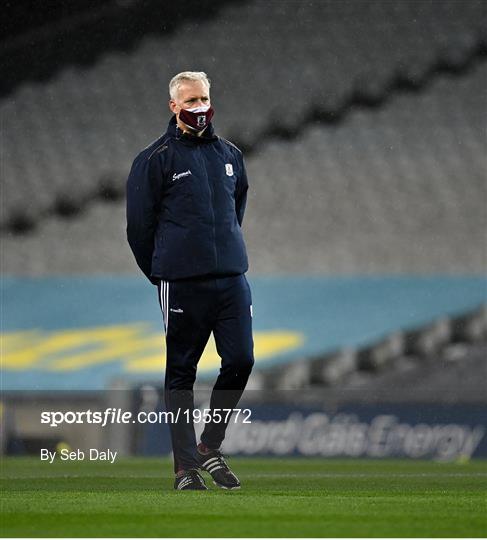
(176, 81)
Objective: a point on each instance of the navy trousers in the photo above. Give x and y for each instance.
(192, 309)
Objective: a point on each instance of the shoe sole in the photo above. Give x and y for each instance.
(227, 488)
(176, 489)
(220, 485)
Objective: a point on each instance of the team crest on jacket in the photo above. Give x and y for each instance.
(229, 169)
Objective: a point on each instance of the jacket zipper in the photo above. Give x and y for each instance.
(213, 214)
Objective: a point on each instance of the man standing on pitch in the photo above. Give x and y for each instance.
(186, 196)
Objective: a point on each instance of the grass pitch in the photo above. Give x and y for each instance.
(279, 498)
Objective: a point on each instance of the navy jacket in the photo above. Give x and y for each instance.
(186, 199)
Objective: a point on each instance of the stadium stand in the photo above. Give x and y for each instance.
(38, 41)
(441, 362)
(85, 125)
(23, 17)
(453, 375)
(400, 188)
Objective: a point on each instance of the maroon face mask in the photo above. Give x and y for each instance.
(197, 118)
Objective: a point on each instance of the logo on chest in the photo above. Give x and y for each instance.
(176, 176)
(229, 169)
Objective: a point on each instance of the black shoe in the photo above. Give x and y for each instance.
(191, 479)
(214, 463)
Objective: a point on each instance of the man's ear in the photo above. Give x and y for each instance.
(172, 106)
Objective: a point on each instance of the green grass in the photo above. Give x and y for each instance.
(279, 498)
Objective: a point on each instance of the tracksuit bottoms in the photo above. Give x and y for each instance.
(192, 308)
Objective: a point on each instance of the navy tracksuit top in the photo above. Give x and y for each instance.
(186, 199)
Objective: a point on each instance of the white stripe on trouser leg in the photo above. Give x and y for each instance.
(163, 305)
(167, 306)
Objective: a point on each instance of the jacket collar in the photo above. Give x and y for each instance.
(174, 131)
